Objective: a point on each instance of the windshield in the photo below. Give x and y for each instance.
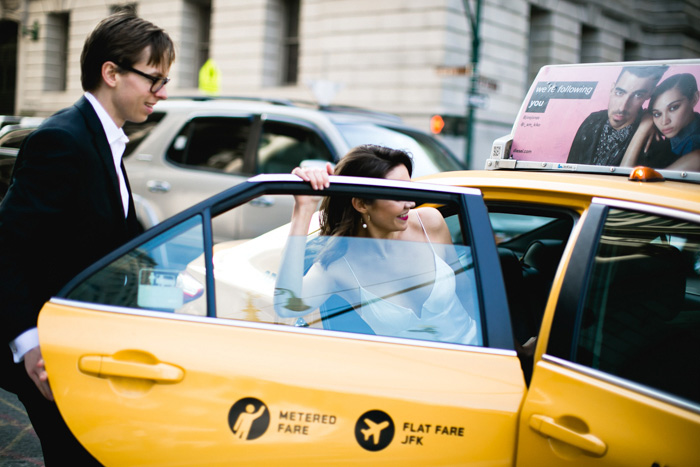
(429, 156)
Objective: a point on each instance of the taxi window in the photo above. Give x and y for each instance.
(420, 289)
(164, 274)
(507, 226)
(641, 317)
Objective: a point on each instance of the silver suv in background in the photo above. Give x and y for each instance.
(13, 130)
(192, 148)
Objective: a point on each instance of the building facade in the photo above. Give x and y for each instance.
(409, 57)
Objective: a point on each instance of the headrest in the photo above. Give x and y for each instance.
(544, 255)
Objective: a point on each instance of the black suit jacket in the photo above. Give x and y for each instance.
(62, 212)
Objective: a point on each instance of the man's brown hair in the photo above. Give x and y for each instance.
(122, 38)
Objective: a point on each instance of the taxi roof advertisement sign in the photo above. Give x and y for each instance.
(643, 113)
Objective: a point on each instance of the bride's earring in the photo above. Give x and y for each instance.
(364, 224)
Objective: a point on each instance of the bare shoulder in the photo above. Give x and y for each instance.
(431, 218)
(434, 224)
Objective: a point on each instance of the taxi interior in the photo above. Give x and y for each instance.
(530, 240)
(642, 311)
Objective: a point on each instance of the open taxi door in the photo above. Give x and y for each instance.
(170, 351)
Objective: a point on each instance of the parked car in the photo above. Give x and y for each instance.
(190, 149)
(12, 133)
(180, 357)
(9, 120)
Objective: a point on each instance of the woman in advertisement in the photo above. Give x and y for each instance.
(669, 135)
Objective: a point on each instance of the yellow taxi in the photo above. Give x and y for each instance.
(581, 271)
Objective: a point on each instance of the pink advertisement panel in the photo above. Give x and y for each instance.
(612, 115)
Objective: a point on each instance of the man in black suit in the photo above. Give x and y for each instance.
(69, 204)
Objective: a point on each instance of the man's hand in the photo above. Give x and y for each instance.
(34, 363)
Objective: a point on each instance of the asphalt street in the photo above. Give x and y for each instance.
(19, 445)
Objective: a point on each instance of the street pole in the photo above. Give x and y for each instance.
(473, 20)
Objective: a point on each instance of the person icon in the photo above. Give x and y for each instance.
(245, 420)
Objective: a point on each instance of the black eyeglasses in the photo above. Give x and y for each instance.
(158, 82)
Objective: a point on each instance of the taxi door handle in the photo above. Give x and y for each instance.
(547, 426)
(105, 366)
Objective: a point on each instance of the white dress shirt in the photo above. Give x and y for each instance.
(117, 142)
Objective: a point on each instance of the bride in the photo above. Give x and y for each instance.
(392, 262)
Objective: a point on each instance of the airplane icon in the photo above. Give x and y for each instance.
(373, 429)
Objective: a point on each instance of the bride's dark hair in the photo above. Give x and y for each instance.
(338, 216)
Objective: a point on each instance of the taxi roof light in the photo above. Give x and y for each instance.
(645, 174)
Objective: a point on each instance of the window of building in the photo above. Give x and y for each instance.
(539, 41)
(130, 7)
(56, 63)
(8, 66)
(590, 45)
(194, 45)
(290, 55)
(633, 52)
(281, 52)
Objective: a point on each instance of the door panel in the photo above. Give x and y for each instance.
(620, 426)
(173, 390)
(619, 383)
(143, 378)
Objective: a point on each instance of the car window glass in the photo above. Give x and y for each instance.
(14, 138)
(429, 294)
(165, 274)
(429, 156)
(531, 241)
(284, 146)
(507, 226)
(256, 217)
(211, 143)
(641, 317)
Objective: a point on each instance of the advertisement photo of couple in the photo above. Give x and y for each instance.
(623, 116)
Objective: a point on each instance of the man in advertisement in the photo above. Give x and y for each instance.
(604, 136)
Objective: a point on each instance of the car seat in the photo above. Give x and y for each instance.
(539, 264)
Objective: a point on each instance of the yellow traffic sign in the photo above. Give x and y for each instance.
(209, 78)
